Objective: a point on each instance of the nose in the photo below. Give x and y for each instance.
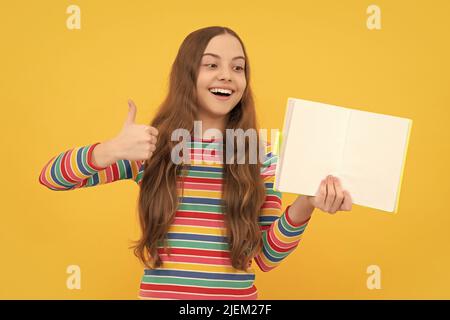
(224, 74)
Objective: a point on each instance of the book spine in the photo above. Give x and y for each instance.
(281, 142)
(403, 166)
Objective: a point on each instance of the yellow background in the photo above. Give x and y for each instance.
(62, 88)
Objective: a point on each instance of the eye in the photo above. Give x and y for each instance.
(210, 64)
(239, 68)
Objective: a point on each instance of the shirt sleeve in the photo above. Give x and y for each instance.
(279, 234)
(73, 169)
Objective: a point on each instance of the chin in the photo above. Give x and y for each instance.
(217, 113)
(218, 110)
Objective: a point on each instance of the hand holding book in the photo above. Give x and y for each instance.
(330, 197)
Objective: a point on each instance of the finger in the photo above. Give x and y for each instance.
(339, 195)
(151, 133)
(347, 203)
(321, 194)
(154, 131)
(131, 117)
(153, 139)
(331, 193)
(151, 130)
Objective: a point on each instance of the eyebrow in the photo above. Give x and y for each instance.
(217, 56)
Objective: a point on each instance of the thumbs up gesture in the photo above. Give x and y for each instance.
(135, 141)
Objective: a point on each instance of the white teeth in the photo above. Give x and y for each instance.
(226, 91)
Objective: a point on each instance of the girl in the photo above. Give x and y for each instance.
(202, 224)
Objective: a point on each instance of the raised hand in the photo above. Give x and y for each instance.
(135, 141)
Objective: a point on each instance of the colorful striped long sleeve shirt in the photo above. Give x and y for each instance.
(199, 265)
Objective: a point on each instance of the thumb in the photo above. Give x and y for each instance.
(131, 112)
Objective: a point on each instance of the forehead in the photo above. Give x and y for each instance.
(225, 45)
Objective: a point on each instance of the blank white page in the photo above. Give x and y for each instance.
(374, 157)
(312, 146)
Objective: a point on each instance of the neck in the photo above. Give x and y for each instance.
(209, 122)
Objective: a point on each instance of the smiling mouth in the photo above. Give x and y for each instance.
(223, 97)
(221, 92)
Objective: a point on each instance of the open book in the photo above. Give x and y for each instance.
(365, 150)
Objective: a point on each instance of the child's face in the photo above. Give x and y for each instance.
(222, 66)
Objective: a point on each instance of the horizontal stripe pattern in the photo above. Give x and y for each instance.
(74, 169)
(196, 263)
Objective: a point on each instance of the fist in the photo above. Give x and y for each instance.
(135, 141)
(330, 196)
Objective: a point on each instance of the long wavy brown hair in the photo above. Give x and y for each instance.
(243, 187)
